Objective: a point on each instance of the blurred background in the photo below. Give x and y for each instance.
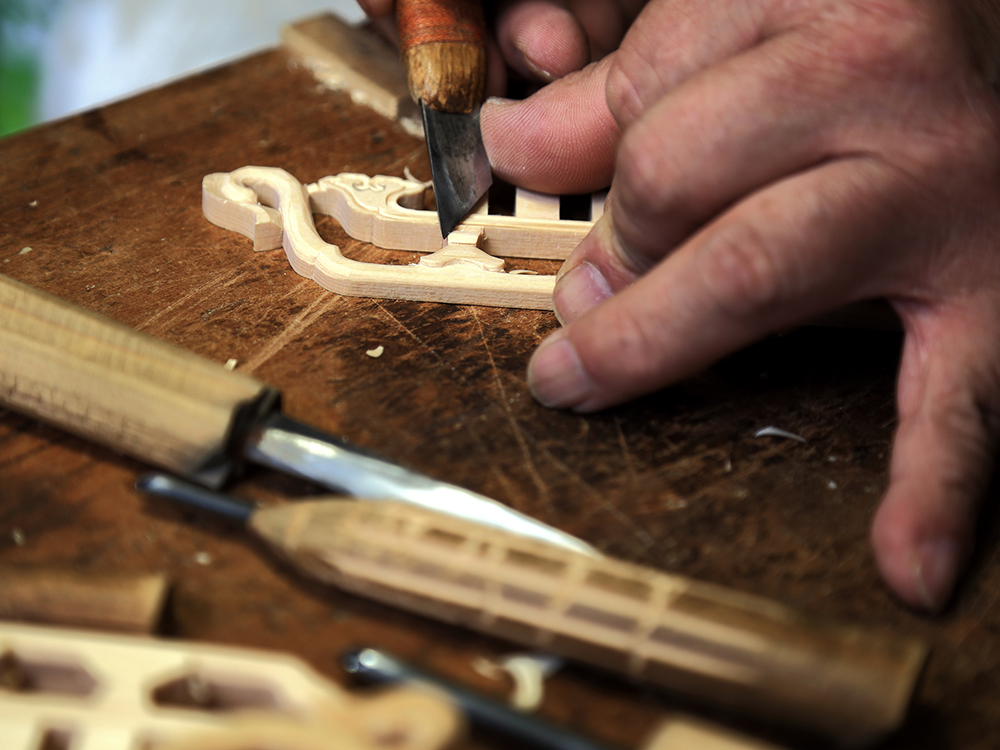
(58, 57)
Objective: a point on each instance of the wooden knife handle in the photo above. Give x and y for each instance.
(723, 646)
(443, 43)
(116, 386)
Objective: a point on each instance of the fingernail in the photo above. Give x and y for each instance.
(555, 374)
(498, 101)
(530, 67)
(935, 571)
(581, 288)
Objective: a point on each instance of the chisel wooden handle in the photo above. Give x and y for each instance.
(121, 388)
(443, 43)
(721, 645)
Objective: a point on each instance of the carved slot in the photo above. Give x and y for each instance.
(522, 595)
(575, 207)
(202, 692)
(20, 674)
(535, 563)
(602, 618)
(56, 739)
(628, 587)
(501, 198)
(444, 538)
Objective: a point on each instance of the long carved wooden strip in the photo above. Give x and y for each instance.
(246, 201)
(89, 691)
(385, 211)
(724, 646)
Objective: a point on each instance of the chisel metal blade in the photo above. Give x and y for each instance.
(292, 447)
(460, 169)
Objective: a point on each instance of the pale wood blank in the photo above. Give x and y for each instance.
(357, 61)
(274, 209)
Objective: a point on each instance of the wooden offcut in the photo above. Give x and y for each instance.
(123, 601)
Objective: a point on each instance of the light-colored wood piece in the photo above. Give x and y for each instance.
(531, 205)
(92, 691)
(682, 733)
(723, 646)
(265, 204)
(128, 602)
(357, 61)
(116, 386)
(597, 201)
(461, 247)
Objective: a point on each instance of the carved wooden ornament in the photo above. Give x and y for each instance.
(274, 209)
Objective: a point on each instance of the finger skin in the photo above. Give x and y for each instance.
(942, 458)
(376, 8)
(561, 140)
(739, 279)
(542, 39)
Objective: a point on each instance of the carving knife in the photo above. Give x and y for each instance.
(153, 401)
(443, 44)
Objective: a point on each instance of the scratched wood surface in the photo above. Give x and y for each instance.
(103, 209)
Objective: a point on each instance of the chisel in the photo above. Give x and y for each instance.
(443, 44)
(723, 646)
(165, 406)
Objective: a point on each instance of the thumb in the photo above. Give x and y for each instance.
(942, 458)
(560, 140)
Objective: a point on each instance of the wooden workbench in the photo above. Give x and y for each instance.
(109, 204)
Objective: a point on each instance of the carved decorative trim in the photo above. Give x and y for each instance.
(274, 209)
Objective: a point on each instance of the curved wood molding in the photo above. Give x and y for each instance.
(274, 209)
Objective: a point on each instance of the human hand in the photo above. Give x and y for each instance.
(542, 40)
(771, 161)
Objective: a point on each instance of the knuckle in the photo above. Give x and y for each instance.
(741, 275)
(623, 90)
(884, 36)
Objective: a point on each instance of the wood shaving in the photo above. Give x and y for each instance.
(528, 671)
(230, 364)
(778, 432)
(409, 176)
(376, 352)
(24, 251)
